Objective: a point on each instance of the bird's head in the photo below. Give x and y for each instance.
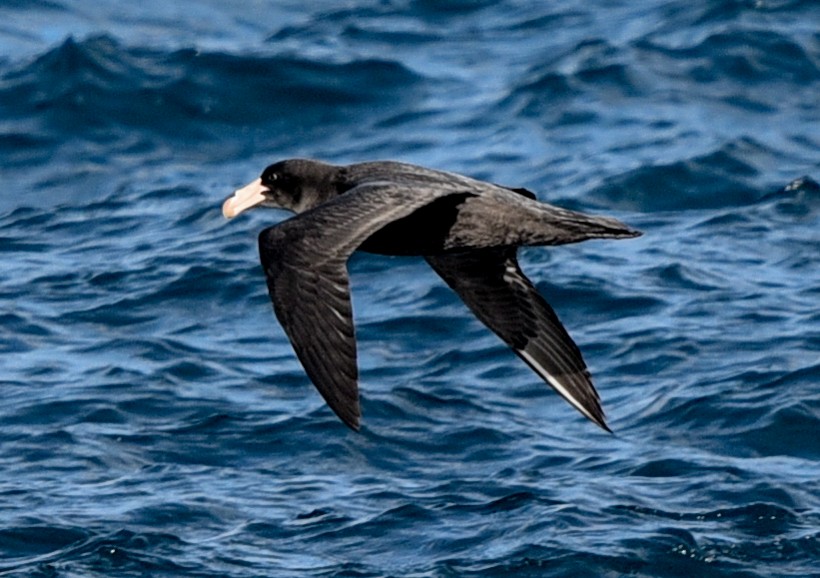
(294, 185)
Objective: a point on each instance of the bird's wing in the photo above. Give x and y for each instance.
(305, 264)
(492, 285)
(312, 302)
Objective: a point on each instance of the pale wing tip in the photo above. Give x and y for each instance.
(603, 425)
(591, 411)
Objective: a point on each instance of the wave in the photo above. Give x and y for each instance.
(726, 177)
(79, 88)
(740, 56)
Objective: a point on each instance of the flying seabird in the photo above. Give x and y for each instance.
(469, 231)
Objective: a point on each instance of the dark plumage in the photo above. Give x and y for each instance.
(468, 231)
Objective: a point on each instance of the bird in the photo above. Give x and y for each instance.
(469, 231)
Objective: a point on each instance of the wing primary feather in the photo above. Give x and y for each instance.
(492, 285)
(305, 263)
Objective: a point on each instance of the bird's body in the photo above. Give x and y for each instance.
(467, 230)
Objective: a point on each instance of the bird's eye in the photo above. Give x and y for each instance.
(270, 178)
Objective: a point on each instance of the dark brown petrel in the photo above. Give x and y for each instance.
(468, 231)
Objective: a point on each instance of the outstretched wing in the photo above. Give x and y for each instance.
(312, 302)
(492, 285)
(305, 264)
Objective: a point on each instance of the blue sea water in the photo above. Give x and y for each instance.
(154, 419)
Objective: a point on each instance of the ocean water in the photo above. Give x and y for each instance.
(154, 419)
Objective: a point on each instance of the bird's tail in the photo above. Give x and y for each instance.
(574, 227)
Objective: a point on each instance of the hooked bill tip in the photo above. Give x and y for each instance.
(227, 208)
(243, 199)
